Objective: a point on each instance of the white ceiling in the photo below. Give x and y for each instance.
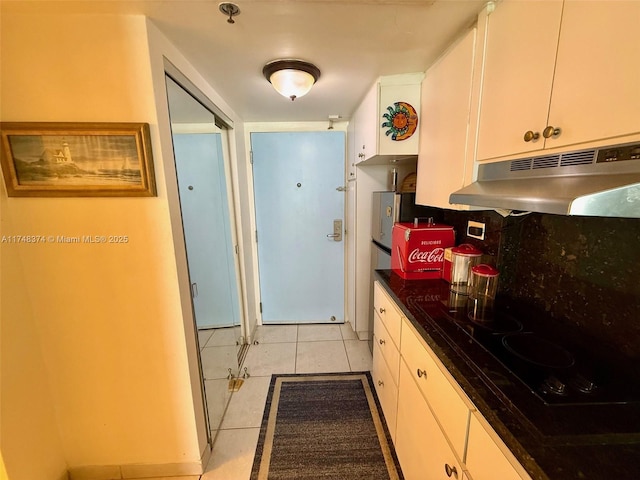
(351, 41)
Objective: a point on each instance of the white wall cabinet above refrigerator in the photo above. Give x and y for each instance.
(386, 122)
(559, 75)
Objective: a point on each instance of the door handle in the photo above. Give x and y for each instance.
(337, 231)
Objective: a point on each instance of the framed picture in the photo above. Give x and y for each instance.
(77, 159)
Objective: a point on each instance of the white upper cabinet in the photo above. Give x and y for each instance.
(596, 88)
(559, 74)
(385, 123)
(365, 126)
(445, 161)
(518, 75)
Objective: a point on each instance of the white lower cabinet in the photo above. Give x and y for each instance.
(437, 431)
(385, 388)
(422, 448)
(447, 401)
(487, 456)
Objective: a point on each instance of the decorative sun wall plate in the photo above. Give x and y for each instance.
(401, 121)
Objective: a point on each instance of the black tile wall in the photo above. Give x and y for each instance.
(581, 271)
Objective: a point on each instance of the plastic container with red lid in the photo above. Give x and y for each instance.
(463, 258)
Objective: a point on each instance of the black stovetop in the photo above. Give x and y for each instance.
(609, 413)
(554, 362)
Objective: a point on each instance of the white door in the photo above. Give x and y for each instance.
(296, 176)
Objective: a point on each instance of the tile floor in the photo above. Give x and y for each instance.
(280, 349)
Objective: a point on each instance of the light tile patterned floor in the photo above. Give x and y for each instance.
(280, 349)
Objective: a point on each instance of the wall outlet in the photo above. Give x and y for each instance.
(475, 230)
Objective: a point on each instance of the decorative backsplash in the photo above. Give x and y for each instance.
(582, 271)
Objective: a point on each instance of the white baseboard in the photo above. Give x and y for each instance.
(167, 471)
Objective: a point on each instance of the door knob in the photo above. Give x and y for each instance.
(550, 132)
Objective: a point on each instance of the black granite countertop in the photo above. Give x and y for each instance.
(566, 442)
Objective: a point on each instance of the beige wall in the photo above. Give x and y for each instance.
(100, 358)
(27, 416)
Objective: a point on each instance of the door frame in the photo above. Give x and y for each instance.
(279, 127)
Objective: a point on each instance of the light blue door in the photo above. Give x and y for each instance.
(207, 228)
(296, 176)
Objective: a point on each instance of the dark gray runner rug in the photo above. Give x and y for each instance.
(324, 426)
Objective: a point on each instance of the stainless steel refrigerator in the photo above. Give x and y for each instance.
(388, 208)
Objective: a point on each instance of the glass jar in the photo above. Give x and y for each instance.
(483, 285)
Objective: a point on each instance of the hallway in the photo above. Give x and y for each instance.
(280, 349)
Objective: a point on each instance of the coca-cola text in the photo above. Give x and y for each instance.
(431, 256)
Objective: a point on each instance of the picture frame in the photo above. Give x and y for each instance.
(77, 159)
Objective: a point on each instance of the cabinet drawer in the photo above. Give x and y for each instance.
(388, 349)
(388, 312)
(450, 406)
(488, 457)
(385, 388)
(423, 449)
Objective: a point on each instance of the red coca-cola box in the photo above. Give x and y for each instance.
(417, 252)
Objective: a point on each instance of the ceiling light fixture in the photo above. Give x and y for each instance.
(291, 78)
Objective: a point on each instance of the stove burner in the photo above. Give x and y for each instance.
(500, 324)
(533, 349)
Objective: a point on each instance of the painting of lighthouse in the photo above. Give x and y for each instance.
(77, 159)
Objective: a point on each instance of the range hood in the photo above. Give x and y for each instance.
(603, 182)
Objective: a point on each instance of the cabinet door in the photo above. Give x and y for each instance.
(518, 74)
(445, 101)
(351, 151)
(422, 448)
(437, 386)
(366, 126)
(388, 312)
(386, 389)
(389, 351)
(488, 458)
(596, 90)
